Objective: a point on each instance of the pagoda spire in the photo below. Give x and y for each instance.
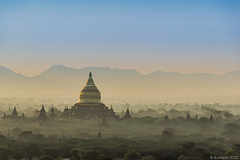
(196, 116)
(166, 118)
(42, 115)
(127, 114)
(14, 113)
(90, 81)
(188, 116)
(211, 119)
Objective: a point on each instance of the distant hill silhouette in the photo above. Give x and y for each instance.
(61, 81)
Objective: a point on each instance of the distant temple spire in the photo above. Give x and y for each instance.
(23, 116)
(211, 119)
(99, 134)
(166, 118)
(42, 115)
(52, 114)
(111, 108)
(127, 115)
(188, 116)
(14, 113)
(196, 116)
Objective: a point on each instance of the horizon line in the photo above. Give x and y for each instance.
(58, 65)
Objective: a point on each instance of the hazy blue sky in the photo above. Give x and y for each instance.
(146, 35)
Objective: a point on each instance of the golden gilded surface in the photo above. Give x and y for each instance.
(90, 93)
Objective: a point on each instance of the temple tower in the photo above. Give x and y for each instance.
(90, 92)
(196, 116)
(211, 119)
(14, 113)
(99, 134)
(52, 114)
(166, 118)
(89, 104)
(188, 116)
(127, 115)
(42, 115)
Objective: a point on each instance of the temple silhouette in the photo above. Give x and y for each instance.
(13, 116)
(89, 105)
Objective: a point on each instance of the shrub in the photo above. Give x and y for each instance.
(132, 155)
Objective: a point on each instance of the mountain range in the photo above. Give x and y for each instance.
(61, 81)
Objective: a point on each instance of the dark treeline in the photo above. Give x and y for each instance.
(164, 133)
(146, 137)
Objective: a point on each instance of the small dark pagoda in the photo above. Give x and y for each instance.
(14, 113)
(52, 114)
(14, 116)
(127, 115)
(166, 120)
(211, 119)
(188, 118)
(42, 116)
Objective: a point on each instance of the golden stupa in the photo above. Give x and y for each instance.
(89, 105)
(90, 93)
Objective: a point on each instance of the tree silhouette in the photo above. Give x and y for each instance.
(132, 155)
(76, 153)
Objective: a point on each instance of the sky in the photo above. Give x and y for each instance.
(145, 35)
